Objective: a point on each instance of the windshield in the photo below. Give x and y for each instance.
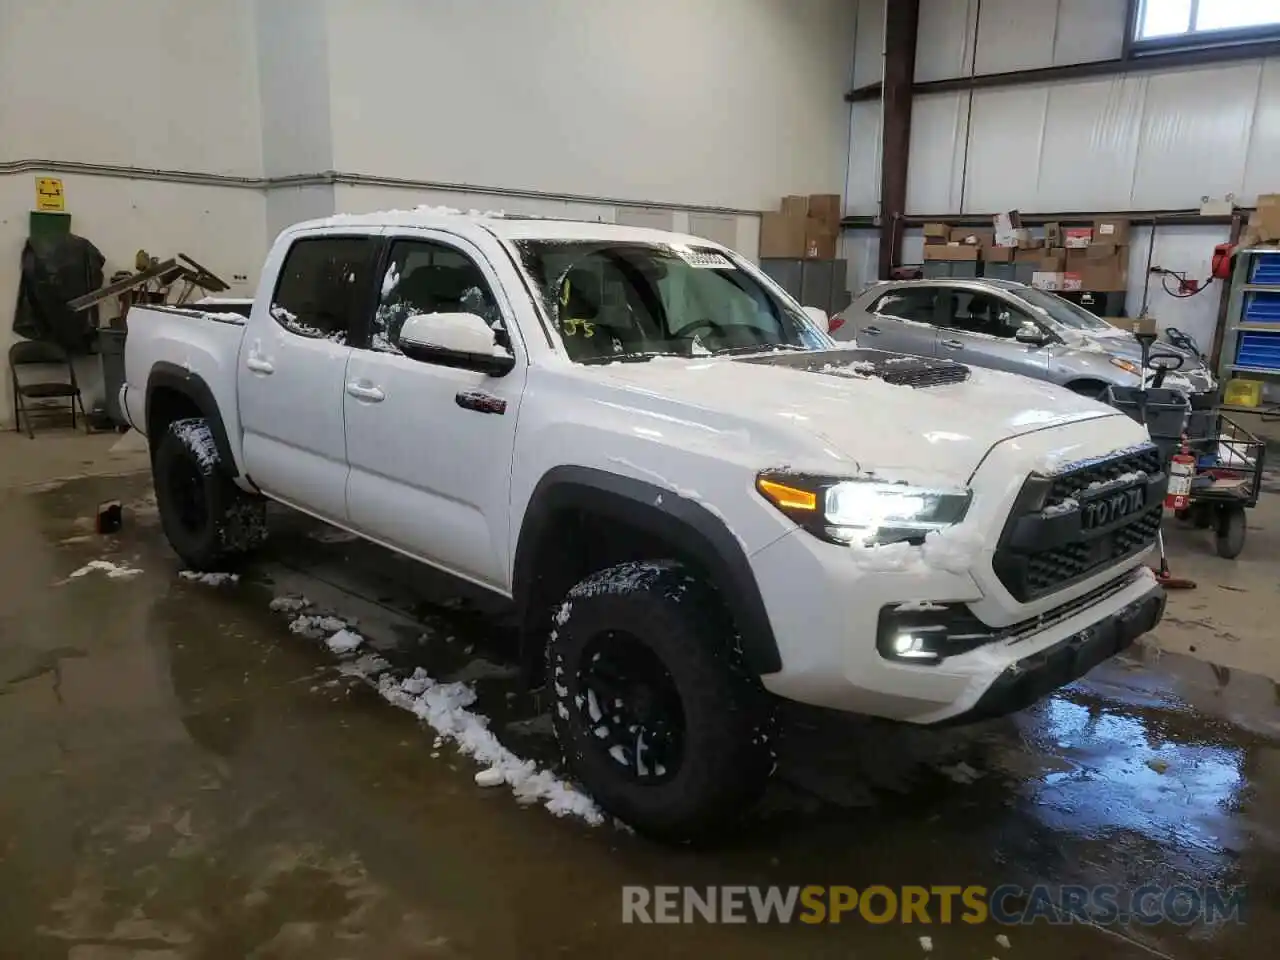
(612, 300)
(1063, 312)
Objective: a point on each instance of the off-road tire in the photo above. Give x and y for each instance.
(208, 520)
(727, 725)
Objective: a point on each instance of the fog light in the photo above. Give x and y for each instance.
(912, 646)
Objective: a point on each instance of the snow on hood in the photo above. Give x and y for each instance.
(941, 430)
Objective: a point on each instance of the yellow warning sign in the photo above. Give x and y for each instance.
(49, 195)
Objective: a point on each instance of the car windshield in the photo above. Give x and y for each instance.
(614, 300)
(1062, 311)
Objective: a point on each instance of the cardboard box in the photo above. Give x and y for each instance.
(1077, 237)
(1268, 217)
(1072, 281)
(1106, 274)
(1133, 324)
(1007, 228)
(1030, 242)
(820, 238)
(1101, 251)
(1028, 255)
(1051, 261)
(1076, 257)
(1053, 234)
(782, 237)
(1047, 280)
(950, 251)
(794, 206)
(1111, 230)
(936, 233)
(973, 236)
(825, 207)
(998, 254)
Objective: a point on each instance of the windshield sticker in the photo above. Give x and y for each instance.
(704, 259)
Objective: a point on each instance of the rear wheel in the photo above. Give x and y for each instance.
(1231, 531)
(207, 519)
(655, 713)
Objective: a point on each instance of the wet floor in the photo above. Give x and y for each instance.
(183, 777)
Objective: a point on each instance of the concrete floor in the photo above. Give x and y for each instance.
(182, 777)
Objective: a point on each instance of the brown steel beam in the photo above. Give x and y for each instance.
(1136, 62)
(1166, 218)
(902, 21)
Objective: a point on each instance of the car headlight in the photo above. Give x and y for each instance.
(865, 511)
(1128, 366)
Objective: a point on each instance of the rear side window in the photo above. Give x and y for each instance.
(323, 288)
(915, 305)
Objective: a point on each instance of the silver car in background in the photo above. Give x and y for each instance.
(1007, 326)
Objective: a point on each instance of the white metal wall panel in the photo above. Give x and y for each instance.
(1189, 249)
(718, 227)
(1091, 144)
(1261, 173)
(1195, 134)
(1014, 34)
(862, 189)
(1089, 30)
(936, 170)
(1006, 141)
(944, 47)
(862, 254)
(868, 52)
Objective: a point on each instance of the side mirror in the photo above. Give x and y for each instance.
(455, 340)
(819, 318)
(1030, 334)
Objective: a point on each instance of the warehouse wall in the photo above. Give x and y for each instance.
(727, 103)
(154, 84)
(1143, 141)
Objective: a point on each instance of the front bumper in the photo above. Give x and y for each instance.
(1031, 678)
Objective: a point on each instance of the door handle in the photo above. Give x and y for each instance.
(365, 392)
(258, 365)
(873, 330)
(953, 344)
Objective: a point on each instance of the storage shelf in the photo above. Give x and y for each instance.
(1261, 288)
(1262, 408)
(1267, 371)
(1271, 327)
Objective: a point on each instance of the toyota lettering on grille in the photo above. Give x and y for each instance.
(1107, 510)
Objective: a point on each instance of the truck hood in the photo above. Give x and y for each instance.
(841, 399)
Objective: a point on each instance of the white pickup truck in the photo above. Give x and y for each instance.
(696, 500)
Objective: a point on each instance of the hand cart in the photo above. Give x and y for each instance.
(1226, 479)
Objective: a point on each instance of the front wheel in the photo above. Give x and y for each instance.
(207, 519)
(655, 713)
(1231, 531)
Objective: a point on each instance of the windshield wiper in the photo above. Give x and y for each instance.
(627, 358)
(758, 348)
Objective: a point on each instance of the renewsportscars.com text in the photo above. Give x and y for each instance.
(1007, 904)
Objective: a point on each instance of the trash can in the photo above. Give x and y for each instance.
(111, 356)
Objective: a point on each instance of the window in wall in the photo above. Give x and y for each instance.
(1203, 22)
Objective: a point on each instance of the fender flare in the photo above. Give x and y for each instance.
(170, 376)
(688, 525)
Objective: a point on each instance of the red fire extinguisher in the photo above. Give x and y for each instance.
(1182, 468)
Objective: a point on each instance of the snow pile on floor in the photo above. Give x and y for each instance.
(344, 641)
(316, 628)
(289, 604)
(209, 579)
(112, 570)
(444, 707)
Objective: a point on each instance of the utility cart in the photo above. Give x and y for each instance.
(1226, 478)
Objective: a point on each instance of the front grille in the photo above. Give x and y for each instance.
(1052, 569)
(1076, 478)
(1045, 546)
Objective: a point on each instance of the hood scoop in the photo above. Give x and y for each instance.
(859, 364)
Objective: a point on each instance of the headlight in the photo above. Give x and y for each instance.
(866, 511)
(1128, 366)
